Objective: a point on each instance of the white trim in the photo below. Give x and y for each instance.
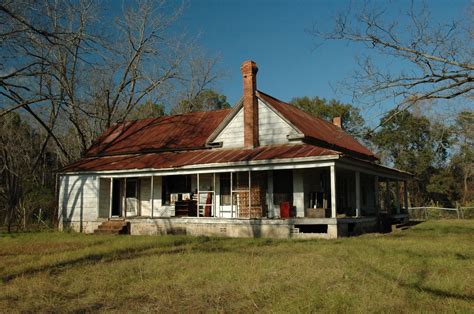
(152, 195)
(98, 197)
(357, 187)
(345, 164)
(333, 191)
(278, 113)
(230, 116)
(268, 164)
(111, 196)
(270, 207)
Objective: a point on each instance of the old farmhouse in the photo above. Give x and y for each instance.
(262, 168)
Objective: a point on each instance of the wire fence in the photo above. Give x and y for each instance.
(426, 213)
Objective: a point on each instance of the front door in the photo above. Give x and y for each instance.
(131, 197)
(116, 204)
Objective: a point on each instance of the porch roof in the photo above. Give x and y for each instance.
(176, 159)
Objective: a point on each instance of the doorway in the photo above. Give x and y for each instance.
(116, 203)
(131, 197)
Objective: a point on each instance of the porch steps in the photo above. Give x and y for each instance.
(113, 227)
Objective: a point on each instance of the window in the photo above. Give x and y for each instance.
(131, 191)
(240, 181)
(206, 182)
(175, 188)
(225, 188)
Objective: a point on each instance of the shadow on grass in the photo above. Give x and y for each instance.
(179, 245)
(115, 255)
(419, 285)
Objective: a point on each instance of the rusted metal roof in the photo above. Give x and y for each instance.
(316, 128)
(176, 159)
(180, 140)
(183, 132)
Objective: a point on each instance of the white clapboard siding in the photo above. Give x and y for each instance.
(158, 209)
(145, 196)
(272, 129)
(233, 134)
(104, 197)
(78, 197)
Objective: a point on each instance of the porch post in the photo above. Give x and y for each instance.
(152, 196)
(357, 187)
(333, 190)
(405, 195)
(298, 192)
(387, 196)
(397, 187)
(111, 200)
(376, 196)
(250, 195)
(231, 196)
(197, 204)
(271, 208)
(125, 199)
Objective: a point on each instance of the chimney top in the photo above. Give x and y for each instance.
(249, 67)
(337, 121)
(249, 74)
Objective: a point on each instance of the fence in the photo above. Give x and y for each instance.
(425, 213)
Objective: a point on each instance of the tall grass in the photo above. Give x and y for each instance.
(428, 267)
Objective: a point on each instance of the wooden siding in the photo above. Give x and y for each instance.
(104, 197)
(158, 209)
(272, 128)
(145, 196)
(233, 134)
(78, 197)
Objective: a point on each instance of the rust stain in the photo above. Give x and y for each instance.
(317, 128)
(197, 157)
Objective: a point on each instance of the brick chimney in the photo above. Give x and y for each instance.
(337, 121)
(249, 73)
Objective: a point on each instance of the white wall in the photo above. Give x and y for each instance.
(145, 196)
(104, 197)
(298, 191)
(233, 134)
(271, 128)
(78, 198)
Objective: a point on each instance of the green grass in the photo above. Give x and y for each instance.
(428, 267)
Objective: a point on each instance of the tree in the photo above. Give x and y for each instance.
(352, 121)
(76, 72)
(147, 110)
(206, 100)
(417, 145)
(22, 173)
(463, 159)
(428, 60)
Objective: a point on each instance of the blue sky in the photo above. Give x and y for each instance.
(272, 33)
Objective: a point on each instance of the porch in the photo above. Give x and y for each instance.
(330, 200)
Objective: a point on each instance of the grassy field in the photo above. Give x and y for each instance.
(429, 267)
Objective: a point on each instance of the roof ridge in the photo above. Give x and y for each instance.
(304, 112)
(307, 122)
